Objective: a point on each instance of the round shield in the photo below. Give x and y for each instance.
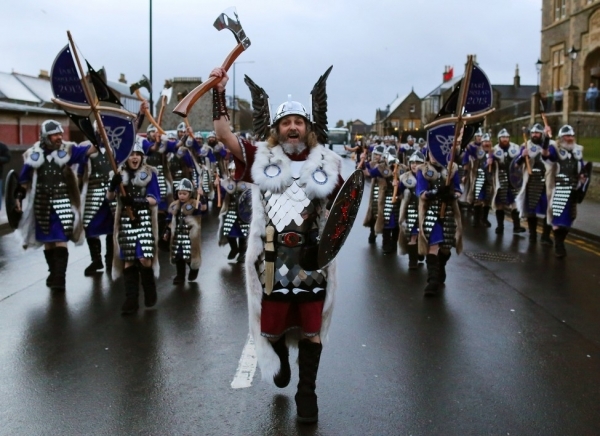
(515, 174)
(10, 202)
(245, 206)
(339, 223)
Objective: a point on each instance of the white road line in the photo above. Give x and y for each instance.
(246, 367)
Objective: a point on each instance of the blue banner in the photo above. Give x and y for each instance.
(121, 135)
(439, 142)
(65, 81)
(480, 96)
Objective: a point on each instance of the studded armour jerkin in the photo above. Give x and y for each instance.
(236, 191)
(566, 179)
(98, 183)
(181, 244)
(156, 160)
(52, 194)
(437, 179)
(503, 158)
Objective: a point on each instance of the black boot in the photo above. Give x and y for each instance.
(131, 278)
(388, 245)
(433, 275)
(61, 260)
(309, 354)
(500, 220)
(193, 274)
(532, 225)
(282, 378)
(108, 257)
(372, 235)
(517, 228)
(49, 255)
(234, 248)
(560, 235)
(149, 285)
(442, 261)
(180, 277)
(96, 266)
(243, 244)
(546, 239)
(477, 215)
(485, 211)
(413, 256)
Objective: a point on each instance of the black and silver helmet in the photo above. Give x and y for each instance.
(137, 147)
(151, 128)
(290, 108)
(185, 185)
(479, 132)
(181, 127)
(417, 156)
(378, 149)
(503, 134)
(566, 130)
(486, 137)
(536, 128)
(49, 127)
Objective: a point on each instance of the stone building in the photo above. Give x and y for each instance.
(200, 117)
(400, 116)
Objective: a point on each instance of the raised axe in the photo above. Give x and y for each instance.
(135, 89)
(165, 98)
(525, 141)
(543, 114)
(223, 21)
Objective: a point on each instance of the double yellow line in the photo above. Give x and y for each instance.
(583, 244)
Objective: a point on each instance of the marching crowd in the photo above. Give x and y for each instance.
(416, 202)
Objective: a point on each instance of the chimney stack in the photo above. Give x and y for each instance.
(122, 78)
(44, 74)
(517, 80)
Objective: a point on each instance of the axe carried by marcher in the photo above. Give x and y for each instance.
(135, 89)
(224, 21)
(527, 163)
(165, 98)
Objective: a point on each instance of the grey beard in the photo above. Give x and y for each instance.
(293, 148)
(568, 146)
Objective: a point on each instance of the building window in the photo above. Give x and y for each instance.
(412, 109)
(558, 61)
(560, 9)
(412, 124)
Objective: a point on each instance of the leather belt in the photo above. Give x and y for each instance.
(291, 239)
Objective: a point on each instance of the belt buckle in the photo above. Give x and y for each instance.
(291, 239)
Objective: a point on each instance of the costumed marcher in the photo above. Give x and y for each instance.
(183, 232)
(154, 149)
(504, 193)
(294, 178)
(407, 149)
(181, 158)
(566, 182)
(478, 179)
(235, 215)
(98, 211)
(532, 200)
(207, 162)
(49, 197)
(383, 214)
(373, 208)
(135, 240)
(438, 234)
(409, 211)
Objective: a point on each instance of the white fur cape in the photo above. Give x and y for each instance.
(330, 163)
(34, 157)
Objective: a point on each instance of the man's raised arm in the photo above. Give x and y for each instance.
(221, 117)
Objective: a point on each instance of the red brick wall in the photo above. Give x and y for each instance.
(30, 128)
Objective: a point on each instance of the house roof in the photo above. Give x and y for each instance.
(439, 90)
(39, 86)
(396, 103)
(16, 107)
(511, 92)
(12, 88)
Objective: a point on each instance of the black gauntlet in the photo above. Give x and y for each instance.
(219, 104)
(20, 193)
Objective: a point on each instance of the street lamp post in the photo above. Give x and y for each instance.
(240, 62)
(572, 55)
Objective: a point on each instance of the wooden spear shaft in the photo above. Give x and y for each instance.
(99, 123)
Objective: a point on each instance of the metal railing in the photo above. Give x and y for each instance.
(518, 110)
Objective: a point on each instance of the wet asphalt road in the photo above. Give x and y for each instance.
(510, 348)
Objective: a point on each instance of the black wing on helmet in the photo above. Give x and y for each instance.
(319, 107)
(261, 115)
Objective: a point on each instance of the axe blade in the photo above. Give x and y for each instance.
(542, 108)
(168, 93)
(142, 83)
(225, 21)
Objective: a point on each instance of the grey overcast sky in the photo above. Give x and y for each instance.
(378, 48)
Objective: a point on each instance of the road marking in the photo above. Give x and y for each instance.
(246, 367)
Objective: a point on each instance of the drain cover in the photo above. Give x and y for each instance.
(494, 257)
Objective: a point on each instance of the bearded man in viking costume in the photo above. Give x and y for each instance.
(504, 193)
(567, 183)
(154, 148)
(532, 200)
(49, 197)
(438, 232)
(294, 178)
(409, 211)
(136, 229)
(182, 160)
(478, 180)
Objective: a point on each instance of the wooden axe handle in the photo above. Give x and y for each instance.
(185, 105)
(148, 115)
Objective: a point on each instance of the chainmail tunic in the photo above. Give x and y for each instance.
(181, 246)
(132, 233)
(98, 183)
(566, 183)
(52, 195)
(232, 215)
(156, 160)
(536, 182)
(390, 209)
(292, 211)
(432, 215)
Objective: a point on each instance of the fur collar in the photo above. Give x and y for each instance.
(533, 150)
(34, 157)
(142, 177)
(272, 170)
(564, 153)
(409, 180)
(186, 208)
(513, 150)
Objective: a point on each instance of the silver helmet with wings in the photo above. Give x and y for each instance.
(262, 121)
